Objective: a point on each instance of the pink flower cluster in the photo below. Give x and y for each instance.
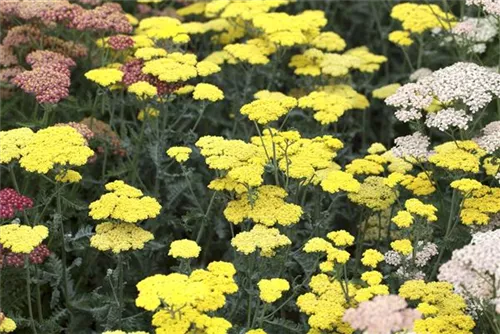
(474, 270)
(461, 83)
(382, 315)
(409, 268)
(49, 79)
(489, 6)
(120, 42)
(83, 129)
(11, 202)
(37, 256)
(132, 72)
(109, 17)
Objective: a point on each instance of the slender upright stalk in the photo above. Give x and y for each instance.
(28, 293)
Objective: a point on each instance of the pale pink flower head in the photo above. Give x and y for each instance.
(414, 146)
(382, 315)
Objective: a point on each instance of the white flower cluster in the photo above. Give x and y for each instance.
(406, 271)
(490, 137)
(449, 117)
(412, 146)
(410, 99)
(474, 33)
(464, 83)
(489, 6)
(475, 269)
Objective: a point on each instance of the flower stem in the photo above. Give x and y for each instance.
(28, 293)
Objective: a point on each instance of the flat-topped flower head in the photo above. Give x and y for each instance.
(22, 238)
(55, 146)
(372, 257)
(266, 206)
(272, 289)
(105, 76)
(185, 249)
(12, 142)
(124, 203)
(179, 153)
(262, 238)
(119, 237)
(208, 92)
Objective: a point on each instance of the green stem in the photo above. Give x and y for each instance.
(28, 293)
(38, 297)
(63, 250)
(200, 116)
(203, 223)
(120, 287)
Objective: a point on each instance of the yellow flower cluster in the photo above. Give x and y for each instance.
(466, 185)
(416, 207)
(55, 146)
(148, 53)
(272, 289)
(7, 325)
(443, 310)
(417, 18)
(161, 28)
(262, 238)
(119, 237)
(335, 254)
(326, 303)
(400, 37)
(458, 156)
(12, 143)
(22, 238)
(175, 67)
(336, 181)
(479, 205)
(179, 153)
(374, 194)
(327, 107)
(186, 249)
(124, 203)
(122, 332)
(268, 107)
(403, 219)
(402, 246)
(181, 302)
(420, 185)
(314, 62)
(142, 89)
(266, 205)
(204, 91)
(372, 257)
(68, 176)
(104, 76)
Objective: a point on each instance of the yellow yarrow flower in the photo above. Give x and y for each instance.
(206, 68)
(341, 238)
(272, 289)
(337, 180)
(466, 185)
(68, 176)
(402, 219)
(148, 53)
(418, 18)
(184, 90)
(246, 53)
(179, 153)
(266, 206)
(256, 331)
(328, 41)
(119, 237)
(124, 203)
(401, 38)
(262, 238)
(385, 91)
(22, 238)
(374, 194)
(142, 89)
(204, 91)
(55, 146)
(371, 258)
(402, 246)
(458, 155)
(372, 277)
(7, 325)
(105, 76)
(186, 249)
(12, 142)
(376, 148)
(418, 208)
